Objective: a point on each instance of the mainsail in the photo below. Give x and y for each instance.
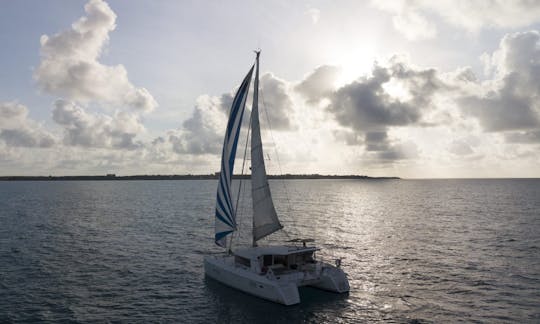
(265, 220)
(225, 211)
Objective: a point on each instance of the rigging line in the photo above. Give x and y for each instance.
(289, 209)
(275, 150)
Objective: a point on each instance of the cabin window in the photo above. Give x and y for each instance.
(242, 261)
(267, 260)
(280, 259)
(302, 258)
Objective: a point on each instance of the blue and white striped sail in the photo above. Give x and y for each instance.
(225, 209)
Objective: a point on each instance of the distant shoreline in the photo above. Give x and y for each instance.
(113, 177)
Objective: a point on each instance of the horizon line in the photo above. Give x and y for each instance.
(210, 176)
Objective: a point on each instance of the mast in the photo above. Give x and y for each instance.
(265, 220)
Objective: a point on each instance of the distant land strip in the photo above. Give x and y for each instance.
(184, 177)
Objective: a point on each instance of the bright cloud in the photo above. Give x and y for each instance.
(511, 101)
(97, 130)
(202, 133)
(17, 130)
(315, 15)
(415, 19)
(70, 66)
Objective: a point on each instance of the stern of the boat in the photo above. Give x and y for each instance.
(332, 279)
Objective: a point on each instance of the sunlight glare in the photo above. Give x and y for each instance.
(397, 90)
(355, 63)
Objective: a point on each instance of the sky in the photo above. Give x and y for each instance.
(408, 88)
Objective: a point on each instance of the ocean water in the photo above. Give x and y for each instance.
(417, 251)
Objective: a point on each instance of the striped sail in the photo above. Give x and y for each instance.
(225, 211)
(265, 220)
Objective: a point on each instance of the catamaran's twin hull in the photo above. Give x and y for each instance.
(222, 269)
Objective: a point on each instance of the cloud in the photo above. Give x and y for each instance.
(408, 19)
(13, 115)
(277, 102)
(376, 141)
(395, 94)
(414, 18)
(319, 84)
(12, 111)
(17, 130)
(203, 132)
(510, 101)
(315, 15)
(69, 64)
(97, 130)
(70, 68)
(379, 147)
(399, 151)
(460, 147)
(528, 137)
(413, 25)
(501, 111)
(26, 137)
(365, 105)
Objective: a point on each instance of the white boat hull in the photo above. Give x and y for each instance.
(333, 279)
(223, 270)
(279, 289)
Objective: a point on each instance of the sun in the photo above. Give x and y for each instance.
(354, 61)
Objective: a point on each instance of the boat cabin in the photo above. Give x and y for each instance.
(279, 259)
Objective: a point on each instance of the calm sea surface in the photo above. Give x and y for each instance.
(415, 251)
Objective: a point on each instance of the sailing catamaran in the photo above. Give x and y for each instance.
(269, 272)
